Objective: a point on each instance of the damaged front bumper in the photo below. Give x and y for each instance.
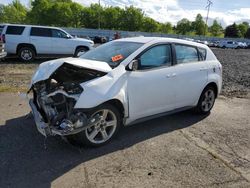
(47, 130)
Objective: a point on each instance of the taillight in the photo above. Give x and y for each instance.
(2, 38)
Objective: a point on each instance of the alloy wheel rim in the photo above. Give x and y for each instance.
(208, 100)
(81, 52)
(26, 54)
(103, 130)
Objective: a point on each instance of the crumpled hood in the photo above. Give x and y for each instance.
(46, 69)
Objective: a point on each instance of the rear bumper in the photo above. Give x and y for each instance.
(3, 54)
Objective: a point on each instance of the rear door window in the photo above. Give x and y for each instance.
(58, 34)
(14, 30)
(186, 54)
(40, 32)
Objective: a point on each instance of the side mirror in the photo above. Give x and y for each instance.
(133, 65)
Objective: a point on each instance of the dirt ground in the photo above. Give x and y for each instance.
(181, 150)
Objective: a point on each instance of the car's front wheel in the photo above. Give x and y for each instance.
(206, 101)
(101, 132)
(80, 51)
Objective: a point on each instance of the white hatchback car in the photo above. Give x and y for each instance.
(120, 83)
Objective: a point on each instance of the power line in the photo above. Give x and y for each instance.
(209, 4)
(99, 15)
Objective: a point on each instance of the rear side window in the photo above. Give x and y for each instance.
(185, 54)
(15, 30)
(202, 54)
(40, 32)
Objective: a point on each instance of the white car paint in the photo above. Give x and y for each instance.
(143, 93)
(44, 45)
(45, 69)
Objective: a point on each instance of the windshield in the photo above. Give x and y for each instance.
(112, 52)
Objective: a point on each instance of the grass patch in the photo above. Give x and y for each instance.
(6, 88)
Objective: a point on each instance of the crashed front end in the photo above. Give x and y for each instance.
(55, 97)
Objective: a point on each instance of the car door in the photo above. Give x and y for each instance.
(61, 43)
(191, 74)
(41, 38)
(150, 88)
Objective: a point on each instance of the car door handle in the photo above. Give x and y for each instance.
(171, 75)
(203, 68)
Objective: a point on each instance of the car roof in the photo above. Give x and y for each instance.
(7, 24)
(161, 39)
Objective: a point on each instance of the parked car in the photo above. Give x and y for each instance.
(228, 44)
(29, 41)
(123, 82)
(99, 39)
(242, 44)
(2, 51)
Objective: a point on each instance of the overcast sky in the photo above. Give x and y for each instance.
(225, 11)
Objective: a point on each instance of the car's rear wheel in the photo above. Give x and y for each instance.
(101, 132)
(26, 54)
(80, 51)
(206, 101)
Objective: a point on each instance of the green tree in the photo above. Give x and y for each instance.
(232, 31)
(149, 25)
(111, 18)
(166, 28)
(14, 12)
(199, 25)
(90, 16)
(183, 26)
(243, 27)
(76, 14)
(131, 19)
(248, 33)
(215, 29)
(39, 12)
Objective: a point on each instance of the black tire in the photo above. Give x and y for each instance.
(81, 139)
(80, 49)
(26, 54)
(200, 109)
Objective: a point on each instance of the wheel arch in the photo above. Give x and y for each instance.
(118, 104)
(19, 46)
(81, 46)
(213, 85)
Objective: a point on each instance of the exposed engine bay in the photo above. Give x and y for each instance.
(56, 97)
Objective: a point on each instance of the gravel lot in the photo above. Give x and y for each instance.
(236, 71)
(181, 150)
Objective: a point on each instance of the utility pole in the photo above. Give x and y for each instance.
(99, 15)
(209, 4)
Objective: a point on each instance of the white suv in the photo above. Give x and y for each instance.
(123, 82)
(28, 41)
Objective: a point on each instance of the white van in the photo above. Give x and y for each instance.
(29, 41)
